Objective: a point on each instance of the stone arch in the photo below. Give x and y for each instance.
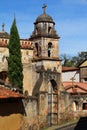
(37, 85)
(49, 29)
(52, 103)
(45, 26)
(75, 105)
(54, 84)
(36, 48)
(49, 49)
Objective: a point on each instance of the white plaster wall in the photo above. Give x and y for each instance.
(66, 76)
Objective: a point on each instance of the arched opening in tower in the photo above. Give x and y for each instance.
(49, 49)
(49, 30)
(54, 84)
(36, 46)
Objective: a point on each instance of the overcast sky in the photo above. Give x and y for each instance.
(70, 17)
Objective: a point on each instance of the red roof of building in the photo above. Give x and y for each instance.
(76, 87)
(8, 93)
(65, 68)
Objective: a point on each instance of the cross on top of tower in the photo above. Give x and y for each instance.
(44, 8)
(3, 27)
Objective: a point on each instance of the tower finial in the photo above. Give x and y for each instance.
(3, 27)
(44, 8)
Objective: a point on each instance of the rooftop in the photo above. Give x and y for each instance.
(4, 34)
(78, 87)
(65, 68)
(44, 17)
(6, 93)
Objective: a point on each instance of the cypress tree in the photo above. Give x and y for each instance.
(15, 67)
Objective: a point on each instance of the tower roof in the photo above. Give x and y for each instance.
(4, 34)
(44, 17)
(44, 26)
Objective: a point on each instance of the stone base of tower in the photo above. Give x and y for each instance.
(46, 109)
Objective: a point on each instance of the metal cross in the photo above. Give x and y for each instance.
(3, 27)
(44, 8)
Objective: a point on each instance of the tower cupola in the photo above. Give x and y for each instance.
(4, 34)
(44, 37)
(44, 26)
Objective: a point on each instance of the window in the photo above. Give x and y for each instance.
(36, 46)
(49, 29)
(84, 106)
(85, 79)
(49, 49)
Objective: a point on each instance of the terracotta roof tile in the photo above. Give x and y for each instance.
(78, 87)
(65, 68)
(8, 93)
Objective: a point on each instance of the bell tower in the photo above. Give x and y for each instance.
(45, 37)
(46, 73)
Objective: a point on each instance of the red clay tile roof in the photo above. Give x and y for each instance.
(78, 87)
(8, 93)
(26, 45)
(65, 68)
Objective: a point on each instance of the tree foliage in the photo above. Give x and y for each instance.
(15, 67)
(66, 60)
(73, 61)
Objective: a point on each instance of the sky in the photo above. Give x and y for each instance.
(70, 17)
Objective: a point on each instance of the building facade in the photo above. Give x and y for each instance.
(75, 83)
(83, 71)
(47, 97)
(70, 74)
(41, 68)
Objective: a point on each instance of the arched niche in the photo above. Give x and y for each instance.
(36, 48)
(49, 49)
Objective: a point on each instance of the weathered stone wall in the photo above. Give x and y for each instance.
(54, 50)
(43, 108)
(31, 107)
(27, 79)
(36, 111)
(43, 45)
(50, 65)
(64, 103)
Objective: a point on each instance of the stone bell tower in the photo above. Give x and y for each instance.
(44, 36)
(46, 66)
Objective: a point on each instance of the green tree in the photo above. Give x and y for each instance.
(15, 67)
(66, 60)
(75, 60)
(79, 58)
